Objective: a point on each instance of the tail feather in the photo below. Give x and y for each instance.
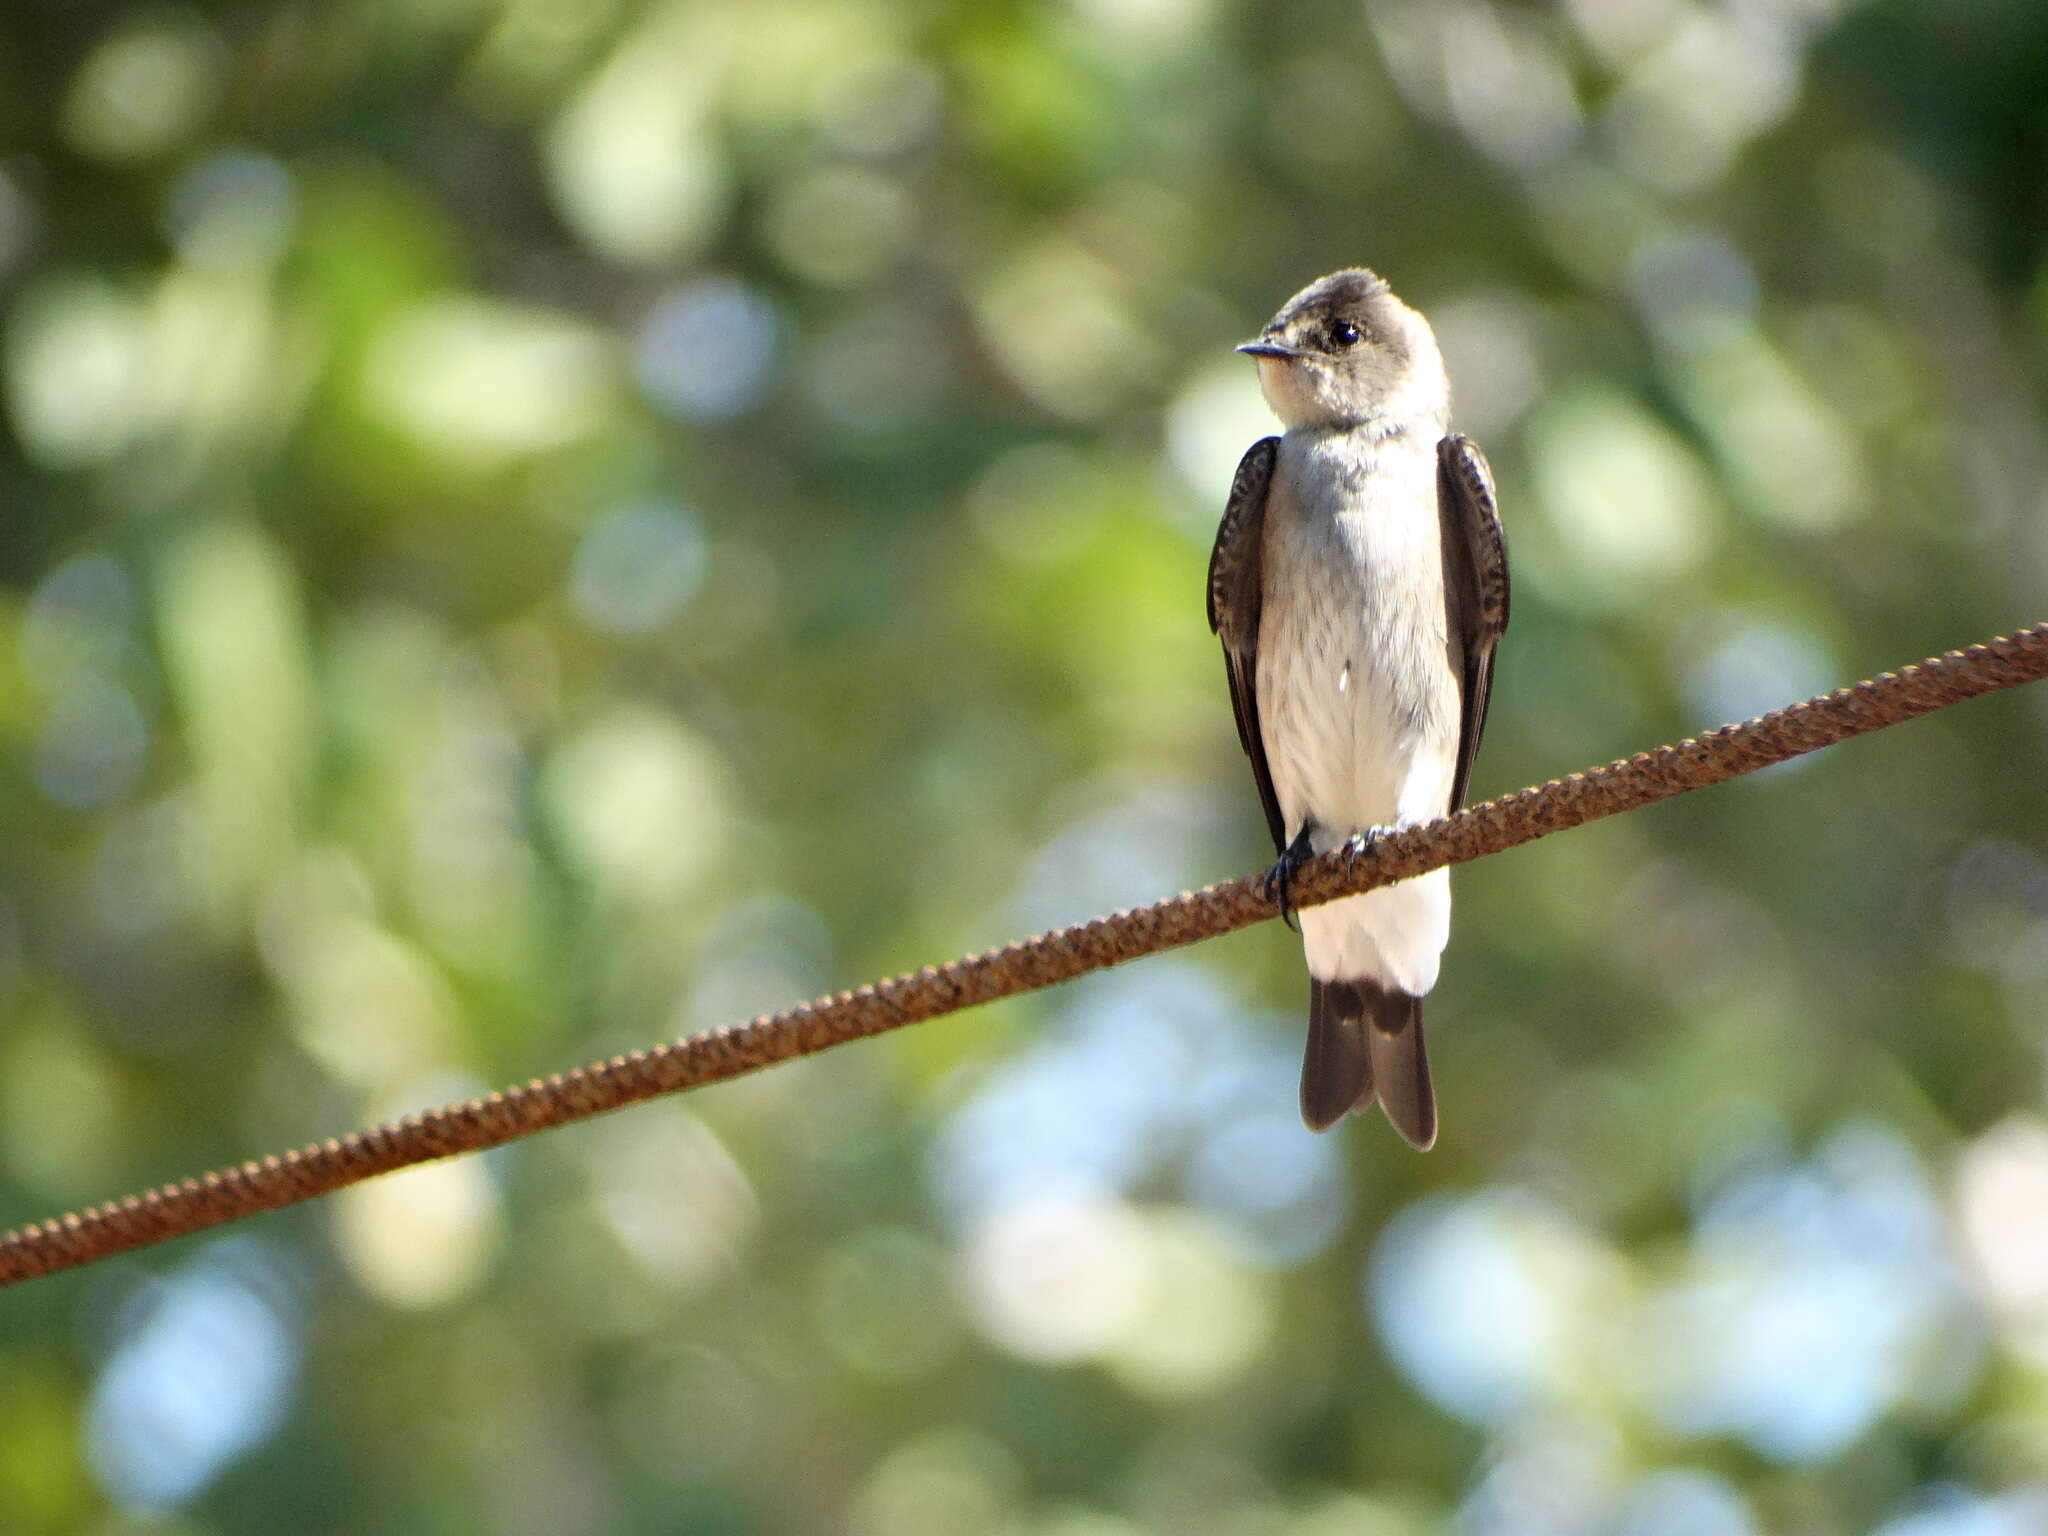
(1365, 1041)
(1336, 1071)
(1400, 1063)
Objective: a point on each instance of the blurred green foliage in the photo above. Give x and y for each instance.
(527, 528)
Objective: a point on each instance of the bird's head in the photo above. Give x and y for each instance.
(1345, 351)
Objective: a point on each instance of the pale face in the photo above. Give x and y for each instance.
(1345, 351)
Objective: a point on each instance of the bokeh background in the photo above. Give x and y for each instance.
(529, 527)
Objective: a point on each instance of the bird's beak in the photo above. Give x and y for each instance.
(1264, 348)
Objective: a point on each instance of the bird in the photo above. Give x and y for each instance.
(1359, 587)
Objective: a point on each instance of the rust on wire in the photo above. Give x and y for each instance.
(176, 1209)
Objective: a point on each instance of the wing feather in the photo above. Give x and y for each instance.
(1475, 584)
(1236, 577)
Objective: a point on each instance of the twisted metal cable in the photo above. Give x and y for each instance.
(176, 1209)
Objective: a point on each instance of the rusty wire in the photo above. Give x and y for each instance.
(176, 1209)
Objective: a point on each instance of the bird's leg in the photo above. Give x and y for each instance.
(1285, 868)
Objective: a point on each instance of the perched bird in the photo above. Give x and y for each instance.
(1359, 585)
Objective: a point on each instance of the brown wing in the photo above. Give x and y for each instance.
(1475, 583)
(1235, 577)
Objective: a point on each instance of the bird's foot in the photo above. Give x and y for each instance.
(1360, 844)
(1276, 881)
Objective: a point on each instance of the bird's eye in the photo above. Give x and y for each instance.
(1343, 334)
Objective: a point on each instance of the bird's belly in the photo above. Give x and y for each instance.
(1337, 748)
(1355, 718)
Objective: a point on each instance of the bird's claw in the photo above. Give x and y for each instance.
(1276, 881)
(1360, 844)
